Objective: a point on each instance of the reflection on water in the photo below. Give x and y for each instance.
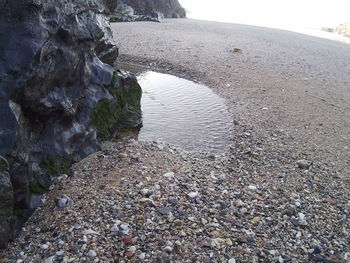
(183, 113)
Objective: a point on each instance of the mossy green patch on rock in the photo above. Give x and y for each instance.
(37, 188)
(105, 116)
(50, 164)
(122, 111)
(129, 99)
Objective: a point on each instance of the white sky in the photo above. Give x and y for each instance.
(272, 13)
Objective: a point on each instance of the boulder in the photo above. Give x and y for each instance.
(58, 97)
(343, 29)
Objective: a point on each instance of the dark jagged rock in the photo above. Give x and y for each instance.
(147, 10)
(131, 18)
(58, 99)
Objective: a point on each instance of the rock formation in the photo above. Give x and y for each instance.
(343, 29)
(58, 98)
(151, 8)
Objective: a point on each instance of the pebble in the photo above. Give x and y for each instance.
(44, 246)
(239, 203)
(193, 194)
(115, 228)
(63, 201)
(127, 240)
(49, 259)
(90, 232)
(173, 200)
(132, 250)
(125, 228)
(92, 254)
(169, 175)
(231, 260)
(222, 177)
(168, 249)
(122, 155)
(304, 164)
(252, 188)
(142, 256)
(146, 192)
(59, 253)
(165, 210)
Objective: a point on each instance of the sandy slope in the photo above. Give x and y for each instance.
(303, 81)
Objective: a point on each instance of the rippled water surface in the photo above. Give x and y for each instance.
(183, 113)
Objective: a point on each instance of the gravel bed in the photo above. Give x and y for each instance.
(152, 202)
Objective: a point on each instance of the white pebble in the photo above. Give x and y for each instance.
(44, 246)
(252, 187)
(142, 256)
(231, 260)
(193, 194)
(169, 175)
(222, 176)
(92, 254)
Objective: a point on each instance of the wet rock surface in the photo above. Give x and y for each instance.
(55, 89)
(163, 204)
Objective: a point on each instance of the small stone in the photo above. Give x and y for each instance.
(231, 260)
(122, 155)
(59, 253)
(239, 203)
(147, 201)
(168, 249)
(49, 259)
(256, 219)
(63, 201)
(302, 220)
(169, 175)
(173, 200)
(132, 250)
(142, 256)
(92, 254)
(165, 210)
(44, 246)
(243, 210)
(193, 194)
(297, 204)
(215, 234)
(115, 228)
(222, 177)
(127, 240)
(146, 192)
(178, 222)
(304, 164)
(125, 228)
(90, 232)
(252, 188)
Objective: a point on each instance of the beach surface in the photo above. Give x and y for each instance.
(281, 192)
(272, 79)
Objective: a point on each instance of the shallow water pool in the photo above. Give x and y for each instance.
(183, 113)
